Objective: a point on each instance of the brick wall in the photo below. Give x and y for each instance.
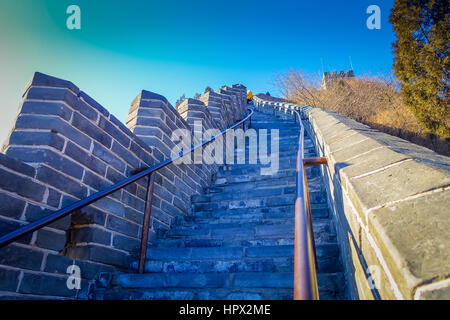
(65, 146)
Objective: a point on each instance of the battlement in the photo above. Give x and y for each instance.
(65, 146)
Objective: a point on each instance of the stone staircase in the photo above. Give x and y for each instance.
(238, 241)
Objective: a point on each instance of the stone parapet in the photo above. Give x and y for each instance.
(65, 146)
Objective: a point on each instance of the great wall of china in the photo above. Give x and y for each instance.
(379, 209)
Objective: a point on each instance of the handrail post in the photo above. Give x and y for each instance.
(243, 128)
(146, 223)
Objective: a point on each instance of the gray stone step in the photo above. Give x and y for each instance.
(277, 212)
(277, 258)
(238, 240)
(241, 201)
(229, 176)
(241, 286)
(250, 231)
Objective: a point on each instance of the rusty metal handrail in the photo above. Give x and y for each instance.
(38, 224)
(305, 260)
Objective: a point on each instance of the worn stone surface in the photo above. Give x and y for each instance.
(420, 252)
(238, 241)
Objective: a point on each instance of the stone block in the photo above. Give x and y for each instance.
(45, 284)
(90, 234)
(21, 257)
(105, 255)
(9, 279)
(51, 239)
(57, 125)
(91, 130)
(420, 252)
(52, 159)
(36, 138)
(10, 206)
(21, 185)
(123, 226)
(46, 108)
(60, 182)
(17, 165)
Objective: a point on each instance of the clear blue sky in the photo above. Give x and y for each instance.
(175, 47)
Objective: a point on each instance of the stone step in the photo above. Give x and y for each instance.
(277, 212)
(241, 201)
(323, 231)
(228, 177)
(239, 286)
(258, 258)
(314, 184)
(254, 198)
(238, 240)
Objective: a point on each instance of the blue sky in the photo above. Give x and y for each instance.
(180, 47)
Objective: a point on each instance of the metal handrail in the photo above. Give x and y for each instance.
(38, 224)
(305, 260)
(305, 267)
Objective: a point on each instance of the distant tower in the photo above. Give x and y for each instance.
(328, 78)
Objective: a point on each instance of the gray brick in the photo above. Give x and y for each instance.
(46, 108)
(104, 255)
(20, 185)
(61, 182)
(35, 138)
(114, 176)
(55, 124)
(54, 198)
(114, 132)
(126, 243)
(84, 125)
(142, 154)
(110, 205)
(34, 213)
(53, 159)
(90, 234)
(94, 181)
(122, 226)
(10, 206)
(85, 109)
(51, 94)
(20, 257)
(125, 155)
(108, 157)
(89, 270)
(7, 226)
(41, 79)
(49, 239)
(83, 157)
(94, 103)
(8, 279)
(134, 215)
(17, 165)
(160, 215)
(89, 215)
(45, 284)
(133, 201)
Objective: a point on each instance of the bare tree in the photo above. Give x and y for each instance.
(180, 100)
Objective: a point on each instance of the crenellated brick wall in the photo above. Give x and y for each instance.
(65, 146)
